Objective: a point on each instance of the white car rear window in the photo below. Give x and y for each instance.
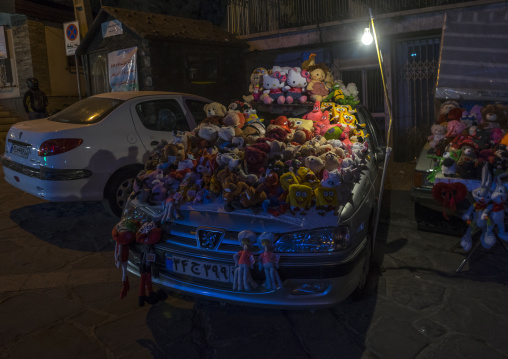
(87, 111)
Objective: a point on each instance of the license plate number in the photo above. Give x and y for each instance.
(200, 269)
(20, 151)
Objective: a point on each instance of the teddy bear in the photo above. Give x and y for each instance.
(317, 88)
(273, 85)
(255, 160)
(296, 85)
(253, 131)
(438, 133)
(231, 191)
(494, 116)
(209, 133)
(235, 120)
(331, 160)
(256, 84)
(444, 111)
(215, 109)
(253, 197)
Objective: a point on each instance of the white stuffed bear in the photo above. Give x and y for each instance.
(438, 133)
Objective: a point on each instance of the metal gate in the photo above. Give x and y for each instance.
(416, 67)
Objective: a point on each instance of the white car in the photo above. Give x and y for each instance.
(93, 149)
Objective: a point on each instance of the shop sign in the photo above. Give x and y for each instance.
(123, 75)
(71, 36)
(111, 28)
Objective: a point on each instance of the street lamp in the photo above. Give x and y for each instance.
(367, 37)
(389, 106)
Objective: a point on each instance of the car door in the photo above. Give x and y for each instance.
(155, 119)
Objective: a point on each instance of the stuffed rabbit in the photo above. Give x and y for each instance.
(482, 198)
(494, 213)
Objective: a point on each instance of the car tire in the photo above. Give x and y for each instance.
(118, 190)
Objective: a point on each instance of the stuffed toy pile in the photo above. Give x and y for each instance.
(242, 162)
(470, 141)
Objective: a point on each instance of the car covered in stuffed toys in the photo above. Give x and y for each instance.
(93, 149)
(260, 219)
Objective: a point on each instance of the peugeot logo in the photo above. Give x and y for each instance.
(20, 134)
(209, 238)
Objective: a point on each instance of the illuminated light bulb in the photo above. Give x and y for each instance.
(367, 37)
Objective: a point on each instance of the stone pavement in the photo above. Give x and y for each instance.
(59, 297)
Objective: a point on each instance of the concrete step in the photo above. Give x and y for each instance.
(8, 120)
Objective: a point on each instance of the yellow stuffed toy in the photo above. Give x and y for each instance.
(300, 198)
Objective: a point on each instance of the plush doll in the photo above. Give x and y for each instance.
(317, 88)
(235, 120)
(327, 199)
(316, 165)
(315, 114)
(448, 195)
(296, 85)
(256, 84)
(215, 109)
(253, 131)
(253, 197)
(286, 180)
(449, 163)
(232, 188)
(482, 198)
(149, 234)
(494, 213)
(273, 85)
(311, 61)
(494, 116)
(438, 133)
(124, 233)
(255, 160)
(331, 160)
(244, 262)
(300, 198)
(453, 114)
(269, 261)
(445, 109)
(454, 128)
(307, 178)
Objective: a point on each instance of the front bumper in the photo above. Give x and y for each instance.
(298, 290)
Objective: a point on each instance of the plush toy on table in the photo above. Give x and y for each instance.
(273, 85)
(269, 261)
(296, 85)
(149, 234)
(124, 233)
(244, 262)
(317, 88)
(438, 133)
(256, 84)
(300, 198)
(494, 116)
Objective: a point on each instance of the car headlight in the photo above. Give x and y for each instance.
(314, 241)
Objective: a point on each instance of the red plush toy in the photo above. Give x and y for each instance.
(255, 160)
(124, 233)
(148, 234)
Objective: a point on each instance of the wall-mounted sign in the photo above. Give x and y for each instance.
(123, 74)
(111, 28)
(71, 36)
(3, 44)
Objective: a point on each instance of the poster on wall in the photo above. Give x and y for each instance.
(71, 37)
(3, 44)
(111, 28)
(123, 75)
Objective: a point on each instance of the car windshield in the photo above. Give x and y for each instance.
(87, 111)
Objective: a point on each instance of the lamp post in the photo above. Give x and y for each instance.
(367, 41)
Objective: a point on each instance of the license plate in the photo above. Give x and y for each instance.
(20, 151)
(200, 269)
